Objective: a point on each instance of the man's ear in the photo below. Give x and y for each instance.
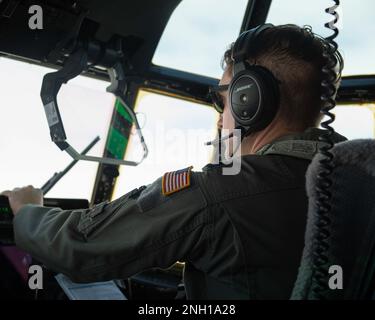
(220, 122)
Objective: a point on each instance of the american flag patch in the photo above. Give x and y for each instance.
(176, 181)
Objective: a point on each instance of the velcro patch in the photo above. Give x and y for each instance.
(176, 181)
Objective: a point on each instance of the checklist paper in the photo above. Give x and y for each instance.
(90, 291)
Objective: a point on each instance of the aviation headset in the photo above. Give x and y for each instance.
(254, 96)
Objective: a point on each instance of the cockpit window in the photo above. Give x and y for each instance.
(198, 34)
(175, 131)
(28, 156)
(356, 24)
(355, 121)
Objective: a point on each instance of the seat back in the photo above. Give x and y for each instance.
(352, 229)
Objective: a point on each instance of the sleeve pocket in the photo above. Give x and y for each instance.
(92, 218)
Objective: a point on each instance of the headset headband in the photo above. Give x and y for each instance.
(243, 44)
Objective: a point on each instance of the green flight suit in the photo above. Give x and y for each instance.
(241, 236)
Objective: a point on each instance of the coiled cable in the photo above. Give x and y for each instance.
(324, 181)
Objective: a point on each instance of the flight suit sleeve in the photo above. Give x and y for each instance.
(140, 230)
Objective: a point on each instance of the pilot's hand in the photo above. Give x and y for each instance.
(20, 197)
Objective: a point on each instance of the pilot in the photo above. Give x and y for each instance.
(240, 235)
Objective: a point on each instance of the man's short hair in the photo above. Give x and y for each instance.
(295, 56)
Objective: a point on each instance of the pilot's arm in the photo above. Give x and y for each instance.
(145, 228)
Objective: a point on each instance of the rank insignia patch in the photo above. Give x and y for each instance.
(176, 181)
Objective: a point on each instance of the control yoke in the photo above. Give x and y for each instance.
(76, 63)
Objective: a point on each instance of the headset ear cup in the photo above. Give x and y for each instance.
(244, 97)
(254, 98)
(270, 95)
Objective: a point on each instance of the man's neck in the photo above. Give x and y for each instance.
(255, 141)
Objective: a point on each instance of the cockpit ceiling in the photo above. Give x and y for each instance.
(140, 23)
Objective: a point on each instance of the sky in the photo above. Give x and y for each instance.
(356, 25)
(207, 32)
(193, 41)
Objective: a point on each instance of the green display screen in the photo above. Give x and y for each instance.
(4, 209)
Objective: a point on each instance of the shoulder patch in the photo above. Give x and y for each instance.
(175, 181)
